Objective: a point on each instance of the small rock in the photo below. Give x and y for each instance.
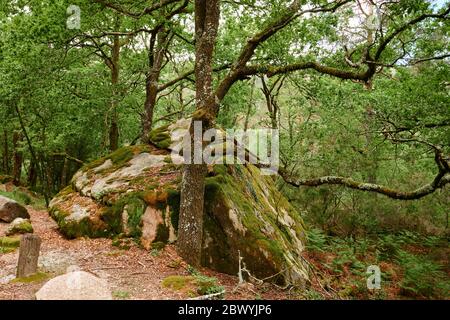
(10, 210)
(7, 279)
(19, 225)
(78, 285)
(56, 261)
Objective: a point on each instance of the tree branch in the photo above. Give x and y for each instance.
(439, 182)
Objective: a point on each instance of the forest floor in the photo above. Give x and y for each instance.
(412, 266)
(133, 273)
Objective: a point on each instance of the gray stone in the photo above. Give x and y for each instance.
(10, 210)
(77, 285)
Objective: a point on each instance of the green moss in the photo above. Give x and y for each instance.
(177, 282)
(194, 285)
(135, 207)
(119, 157)
(82, 228)
(24, 227)
(38, 277)
(65, 192)
(207, 285)
(121, 294)
(9, 244)
(160, 137)
(10, 241)
(168, 159)
(158, 245)
(122, 243)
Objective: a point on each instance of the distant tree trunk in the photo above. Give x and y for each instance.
(155, 61)
(114, 127)
(190, 228)
(32, 174)
(64, 172)
(18, 158)
(5, 152)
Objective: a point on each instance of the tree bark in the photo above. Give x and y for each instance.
(114, 127)
(190, 228)
(30, 245)
(32, 174)
(5, 152)
(155, 60)
(18, 158)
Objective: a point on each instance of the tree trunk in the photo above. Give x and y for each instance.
(30, 245)
(155, 60)
(64, 172)
(190, 230)
(18, 158)
(114, 127)
(5, 152)
(190, 227)
(32, 175)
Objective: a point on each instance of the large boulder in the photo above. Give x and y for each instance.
(134, 192)
(10, 210)
(77, 285)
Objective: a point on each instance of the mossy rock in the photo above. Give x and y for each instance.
(160, 138)
(20, 226)
(135, 192)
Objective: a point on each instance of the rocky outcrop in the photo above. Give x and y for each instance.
(10, 210)
(134, 192)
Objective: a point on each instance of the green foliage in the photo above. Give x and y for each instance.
(19, 196)
(203, 285)
(422, 277)
(316, 240)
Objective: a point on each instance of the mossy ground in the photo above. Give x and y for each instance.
(9, 244)
(38, 277)
(193, 284)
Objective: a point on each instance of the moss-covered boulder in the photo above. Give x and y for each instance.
(19, 226)
(134, 193)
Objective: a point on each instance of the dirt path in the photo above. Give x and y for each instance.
(132, 274)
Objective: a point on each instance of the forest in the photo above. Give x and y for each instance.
(97, 201)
